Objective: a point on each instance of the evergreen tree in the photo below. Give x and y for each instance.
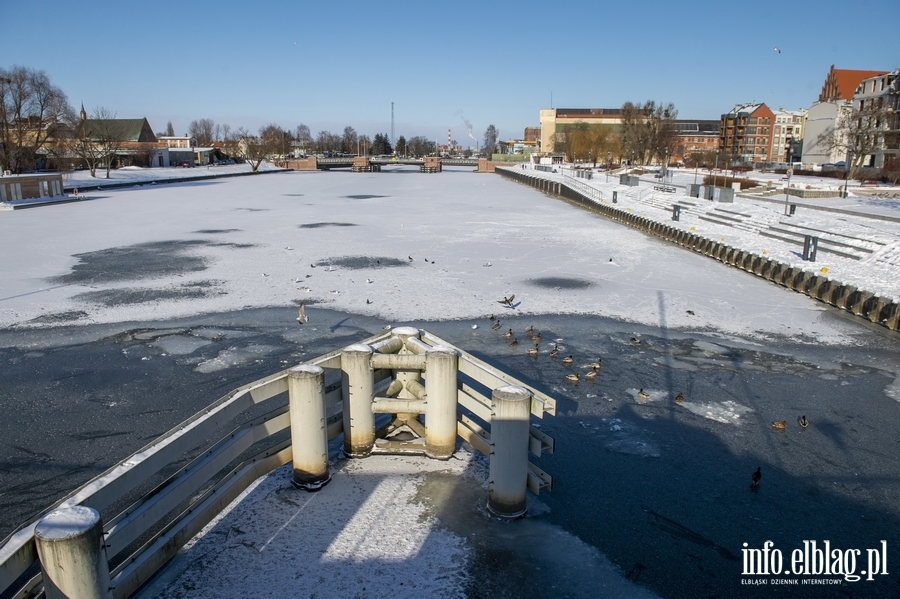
(381, 144)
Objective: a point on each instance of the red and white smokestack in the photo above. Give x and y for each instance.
(448, 140)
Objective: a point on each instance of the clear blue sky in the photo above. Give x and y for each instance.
(331, 64)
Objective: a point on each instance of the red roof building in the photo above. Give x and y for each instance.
(841, 84)
(746, 133)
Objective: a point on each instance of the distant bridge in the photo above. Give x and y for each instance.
(429, 164)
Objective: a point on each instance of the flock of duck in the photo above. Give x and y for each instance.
(535, 337)
(574, 377)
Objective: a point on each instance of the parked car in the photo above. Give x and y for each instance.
(186, 164)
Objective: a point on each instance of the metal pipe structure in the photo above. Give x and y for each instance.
(309, 427)
(511, 406)
(415, 345)
(398, 361)
(442, 366)
(408, 375)
(70, 548)
(386, 405)
(390, 345)
(358, 381)
(404, 375)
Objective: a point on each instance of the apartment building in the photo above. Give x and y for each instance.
(746, 133)
(882, 94)
(787, 135)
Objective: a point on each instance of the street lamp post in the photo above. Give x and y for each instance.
(666, 168)
(608, 157)
(787, 190)
(715, 176)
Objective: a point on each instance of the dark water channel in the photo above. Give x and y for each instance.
(662, 488)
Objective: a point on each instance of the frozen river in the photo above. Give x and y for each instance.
(125, 315)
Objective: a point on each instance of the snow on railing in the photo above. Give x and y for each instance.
(465, 397)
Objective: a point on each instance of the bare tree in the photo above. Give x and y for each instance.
(328, 142)
(221, 132)
(169, 132)
(661, 129)
(303, 138)
(30, 107)
(348, 140)
(420, 146)
(249, 147)
(97, 140)
(203, 131)
(491, 135)
(648, 130)
(604, 144)
(858, 133)
(276, 140)
(255, 149)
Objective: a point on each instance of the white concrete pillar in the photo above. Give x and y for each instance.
(70, 548)
(441, 367)
(358, 380)
(309, 427)
(510, 412)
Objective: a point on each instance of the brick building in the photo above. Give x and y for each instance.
(841, 84)
(746, 133)
(694, 137)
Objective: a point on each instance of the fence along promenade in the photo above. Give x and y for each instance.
(83, 552)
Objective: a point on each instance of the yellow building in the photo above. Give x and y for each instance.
(555, 122)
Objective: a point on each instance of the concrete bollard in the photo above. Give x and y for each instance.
(70, 548)
(509, 451)
(441, 368)
(309, 427)
(843, 295)
(358, 381)
(892, 316)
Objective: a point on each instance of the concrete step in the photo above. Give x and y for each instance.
(823, 247)
(823, 239)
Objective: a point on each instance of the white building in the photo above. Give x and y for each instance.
(882, 92)
(787, 135)
(822, 120)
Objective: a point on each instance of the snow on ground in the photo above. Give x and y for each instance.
(435, 247)
(864, 228)
(396, 245)
(356, 531)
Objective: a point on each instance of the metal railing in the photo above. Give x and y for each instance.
(162, 520)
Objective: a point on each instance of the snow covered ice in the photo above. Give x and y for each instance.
(650, 496)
